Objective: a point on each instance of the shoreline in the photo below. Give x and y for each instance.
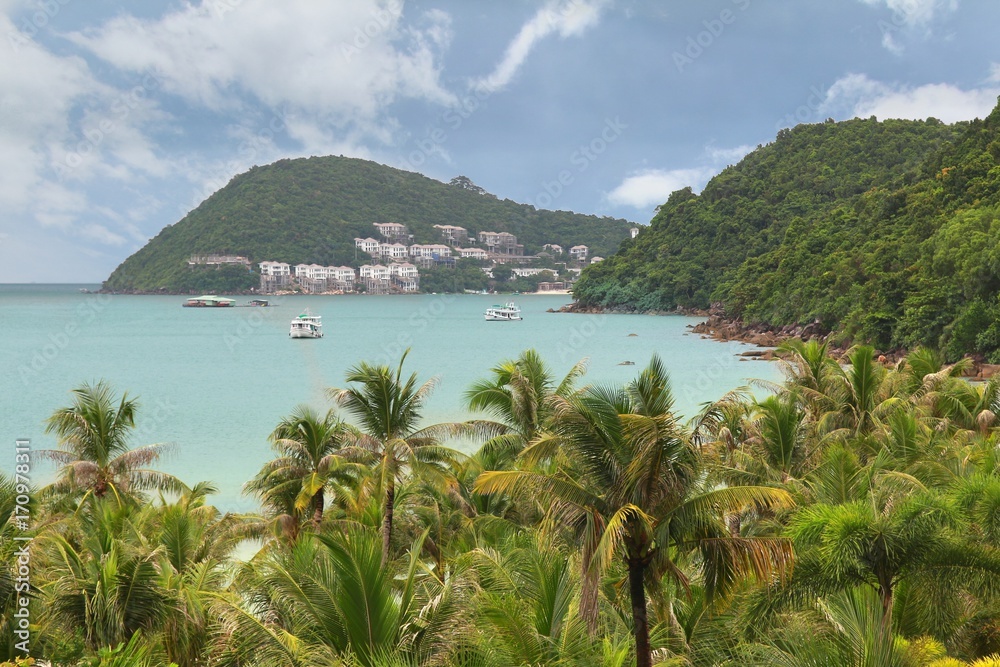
(723, 329)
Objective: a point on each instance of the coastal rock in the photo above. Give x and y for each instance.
(987, 371)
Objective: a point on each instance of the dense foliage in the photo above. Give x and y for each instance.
(883, 232)
(849, 518)
(311, 209)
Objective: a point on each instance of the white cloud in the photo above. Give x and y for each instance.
(728, 156)
(909, 18)
(568, 18)
(857, 95)
(651, 187)
(340, 65)
(915, 12)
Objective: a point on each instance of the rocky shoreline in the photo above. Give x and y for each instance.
(723, 329)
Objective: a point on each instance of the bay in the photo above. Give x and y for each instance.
(214, 382)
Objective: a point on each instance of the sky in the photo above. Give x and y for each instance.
(117, 118)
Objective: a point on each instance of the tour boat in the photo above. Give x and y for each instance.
(209, 301)
(505, 313)
(306, 326)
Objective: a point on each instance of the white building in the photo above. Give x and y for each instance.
(376, 271)
(369, 245)
(524, 273)
(554, 248)
(452, 234)
(391, 230)
(634, 232)
(392, 251)
(404, 270)
(341, 274)
(471, 253)
(275, 269)
(430, 250)
(579, 252)
(595, 259)
(301, 271)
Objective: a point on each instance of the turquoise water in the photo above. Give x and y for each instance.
(214, 382)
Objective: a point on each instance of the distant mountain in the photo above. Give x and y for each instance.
(311, 209)
(882, 232)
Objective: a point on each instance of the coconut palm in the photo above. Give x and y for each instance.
(388, 408)
(106, 584)
(630, 482)
(95, 457)
(864, 395)
(294, 484)
(516, 396)
(329, 600)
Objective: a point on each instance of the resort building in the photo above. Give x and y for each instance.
(595, 259)
(634, 232)
(453, 235)
(551, 286)
(369, 245)
(430, 250)
(275, 276)
(392, 230)
(405, 277)
(525, 273)
(471, 253)
(500, 243)
(374, 271)
(392, 251)
(579, 252)
(218, 260)
(553, 248)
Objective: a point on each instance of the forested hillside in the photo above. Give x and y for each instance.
(883, 232)
(311, 209)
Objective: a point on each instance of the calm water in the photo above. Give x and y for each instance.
(214, 382)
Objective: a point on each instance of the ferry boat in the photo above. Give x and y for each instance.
(209, 301)
(505, 313)
(306, 326)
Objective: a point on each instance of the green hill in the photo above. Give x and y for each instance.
(311, 209)
(883, 232)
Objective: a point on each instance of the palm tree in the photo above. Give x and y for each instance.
(107, 584)
(631, 482)
(865, 395)
(517, 397)
(388, 408)
(308, 445)
(330, 600)
(94, 435)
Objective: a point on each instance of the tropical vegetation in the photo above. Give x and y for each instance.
(882, 232)
(848, 516)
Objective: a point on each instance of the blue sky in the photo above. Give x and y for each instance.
(117, 118)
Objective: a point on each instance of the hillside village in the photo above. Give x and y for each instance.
(394, 263)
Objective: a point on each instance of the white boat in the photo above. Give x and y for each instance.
(306, 326)
(505, 313)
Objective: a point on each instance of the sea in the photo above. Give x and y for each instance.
(212, 383)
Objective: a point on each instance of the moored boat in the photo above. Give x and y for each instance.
(505, 313)
(209, 301)
(306, 325)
